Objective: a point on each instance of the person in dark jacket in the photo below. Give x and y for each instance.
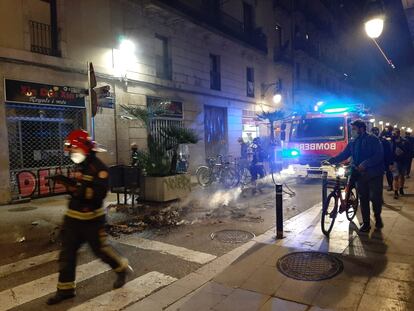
(402, 153)
(410, 140)
(388, 156)
(257, 165)
(84, 220)
(368, 158)
(243, 148)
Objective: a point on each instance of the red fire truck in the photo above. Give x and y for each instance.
(317, 136)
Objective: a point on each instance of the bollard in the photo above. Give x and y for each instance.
(324, 188)
(279, 211)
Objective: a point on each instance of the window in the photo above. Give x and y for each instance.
(250, 81)
(248, 17)
(318, 129)
(44, 32)
(215, 81)
(163, 61)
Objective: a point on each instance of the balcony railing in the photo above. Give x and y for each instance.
(41, 39)
(219, 20)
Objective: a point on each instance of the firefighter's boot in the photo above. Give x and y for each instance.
(60, 296)
(122, 276)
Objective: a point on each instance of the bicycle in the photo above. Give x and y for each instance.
(216, 170)
(243, 176)
(343, 198)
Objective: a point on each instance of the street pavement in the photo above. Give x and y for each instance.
(378, 269)
(183, 269)
(184, 256)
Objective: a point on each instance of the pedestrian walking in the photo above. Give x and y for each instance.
(84, 220)
(402, 155)
(367, 157)
(243, 149)
(388, 156)
(410, 140)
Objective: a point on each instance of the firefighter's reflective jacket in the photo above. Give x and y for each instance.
(91, 189)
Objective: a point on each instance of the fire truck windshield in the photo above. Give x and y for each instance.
(318, 129)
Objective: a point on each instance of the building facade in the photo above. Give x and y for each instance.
(409, 13)
(209, 58)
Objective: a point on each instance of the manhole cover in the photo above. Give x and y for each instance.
(310, 266)
(22, 208)
(232, 236)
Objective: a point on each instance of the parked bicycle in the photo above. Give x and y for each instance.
(343, 198)
(242, 168)
(217, 170)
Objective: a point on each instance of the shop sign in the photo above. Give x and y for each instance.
(173, 109)
(44, 94)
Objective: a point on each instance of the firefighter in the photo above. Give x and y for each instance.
(256, 166)
(84, 220)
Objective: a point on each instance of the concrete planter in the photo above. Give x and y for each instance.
(162, 189)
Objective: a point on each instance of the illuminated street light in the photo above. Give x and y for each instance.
(387, 124)
(372, 120)
(124, 57)
(374, 27)
(127, 47)
(381, 122)
(277, 98)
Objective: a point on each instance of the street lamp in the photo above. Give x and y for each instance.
(125, 57)
(382, 125)
(277, 95)
(277, 98)
(374, 25)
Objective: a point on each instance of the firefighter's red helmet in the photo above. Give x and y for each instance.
(79, 139)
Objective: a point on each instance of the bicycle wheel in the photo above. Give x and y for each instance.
(245, 177)
(329, 212)
(229, 177)
(353, 203)
(204, 176)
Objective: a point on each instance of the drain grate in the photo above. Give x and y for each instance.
(232, 236)
(22, 208)
(310, 266)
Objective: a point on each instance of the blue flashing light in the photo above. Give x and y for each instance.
(336, 110)
(291, 153)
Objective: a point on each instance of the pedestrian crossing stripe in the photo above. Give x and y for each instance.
(164, 248)
(132, 292)
(28, 263)
(16, 296)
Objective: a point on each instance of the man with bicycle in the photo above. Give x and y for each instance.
(367, 158)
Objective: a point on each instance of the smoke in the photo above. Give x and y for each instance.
(211, 198)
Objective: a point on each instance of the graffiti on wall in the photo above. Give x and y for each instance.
(178, 182)
(35, 183)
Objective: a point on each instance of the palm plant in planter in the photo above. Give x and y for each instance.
(159, 161)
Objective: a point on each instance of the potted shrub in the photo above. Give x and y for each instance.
(161, 182)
